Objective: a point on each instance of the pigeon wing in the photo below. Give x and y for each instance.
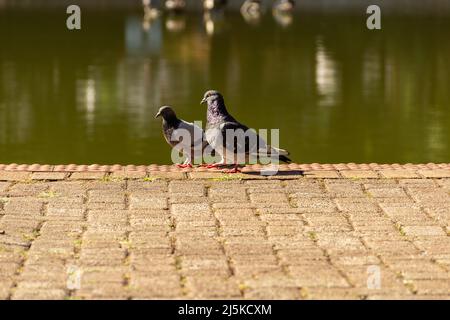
(238, 138)
(187, 135)
(249, 142)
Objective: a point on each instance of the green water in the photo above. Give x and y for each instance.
(337, 91)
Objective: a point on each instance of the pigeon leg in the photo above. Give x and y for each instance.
(186, 164)
(216, 165)
(204, 165)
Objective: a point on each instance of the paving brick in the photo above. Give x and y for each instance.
(359, 174)
(308, 276)
(345, 190)
(51, 176)
(271, 293)
(316, 205)
(317, 174)
(153, 287)
(399, 174)
(432, 286)
(269, 198)
(424, 231)
(389, 192)
(139, 202)
(14, 176)
(167, 175)
(422, 183)
(28, 189)
(435, 173)
(356, 205)
(38, 294)
(128, 174)
(87, 175)
(107, 291)
(212, 287)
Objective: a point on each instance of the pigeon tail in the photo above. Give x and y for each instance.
(273, 152)
(285, 159)
(281, 151)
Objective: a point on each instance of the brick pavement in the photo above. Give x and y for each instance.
(327, 234)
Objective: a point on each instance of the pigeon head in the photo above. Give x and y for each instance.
(217, 111)
(166, 113)
(210, 96)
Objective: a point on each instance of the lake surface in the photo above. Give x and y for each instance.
(336, 91)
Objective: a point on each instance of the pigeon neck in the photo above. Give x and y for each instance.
(217, 111)
(171, 121)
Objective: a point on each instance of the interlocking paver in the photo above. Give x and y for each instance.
(87, 175)
(317, 174)
(129, 237)
(14, 175)
(424, 231)
(397, 174)
(48, 175)
(359, 174)
(435, 173)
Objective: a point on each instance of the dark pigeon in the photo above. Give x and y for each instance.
(213, 4)
(233, 152)
(173, 130)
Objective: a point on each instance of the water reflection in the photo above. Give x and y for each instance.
(282, 12)
(284, 19)
(210, 5)
(326, 77)
(251, 11)
(175, 22)
(337, 92)
(175, 6)
(214, 21)
(151, 13)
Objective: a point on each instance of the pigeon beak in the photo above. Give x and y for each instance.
(203, 101)
(157, 115)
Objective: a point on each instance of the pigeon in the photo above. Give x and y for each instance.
(284, 6)
(213, 4)
(282, 12)
(173, 130)
(175, 6)
(250, 146)
(151, 13)
(251, 10)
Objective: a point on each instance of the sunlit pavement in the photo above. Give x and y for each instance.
(133, 234)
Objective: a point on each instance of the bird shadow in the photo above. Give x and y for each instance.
(275, 174)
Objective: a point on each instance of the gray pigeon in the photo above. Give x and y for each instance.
(284, 5)
(251, 11)
(175, 6)
(213, 4)
(174, 131)
(245, 144)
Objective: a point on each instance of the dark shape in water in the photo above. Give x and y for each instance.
(214, 4)
(176, 6)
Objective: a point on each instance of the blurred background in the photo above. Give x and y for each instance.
(337, 91)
